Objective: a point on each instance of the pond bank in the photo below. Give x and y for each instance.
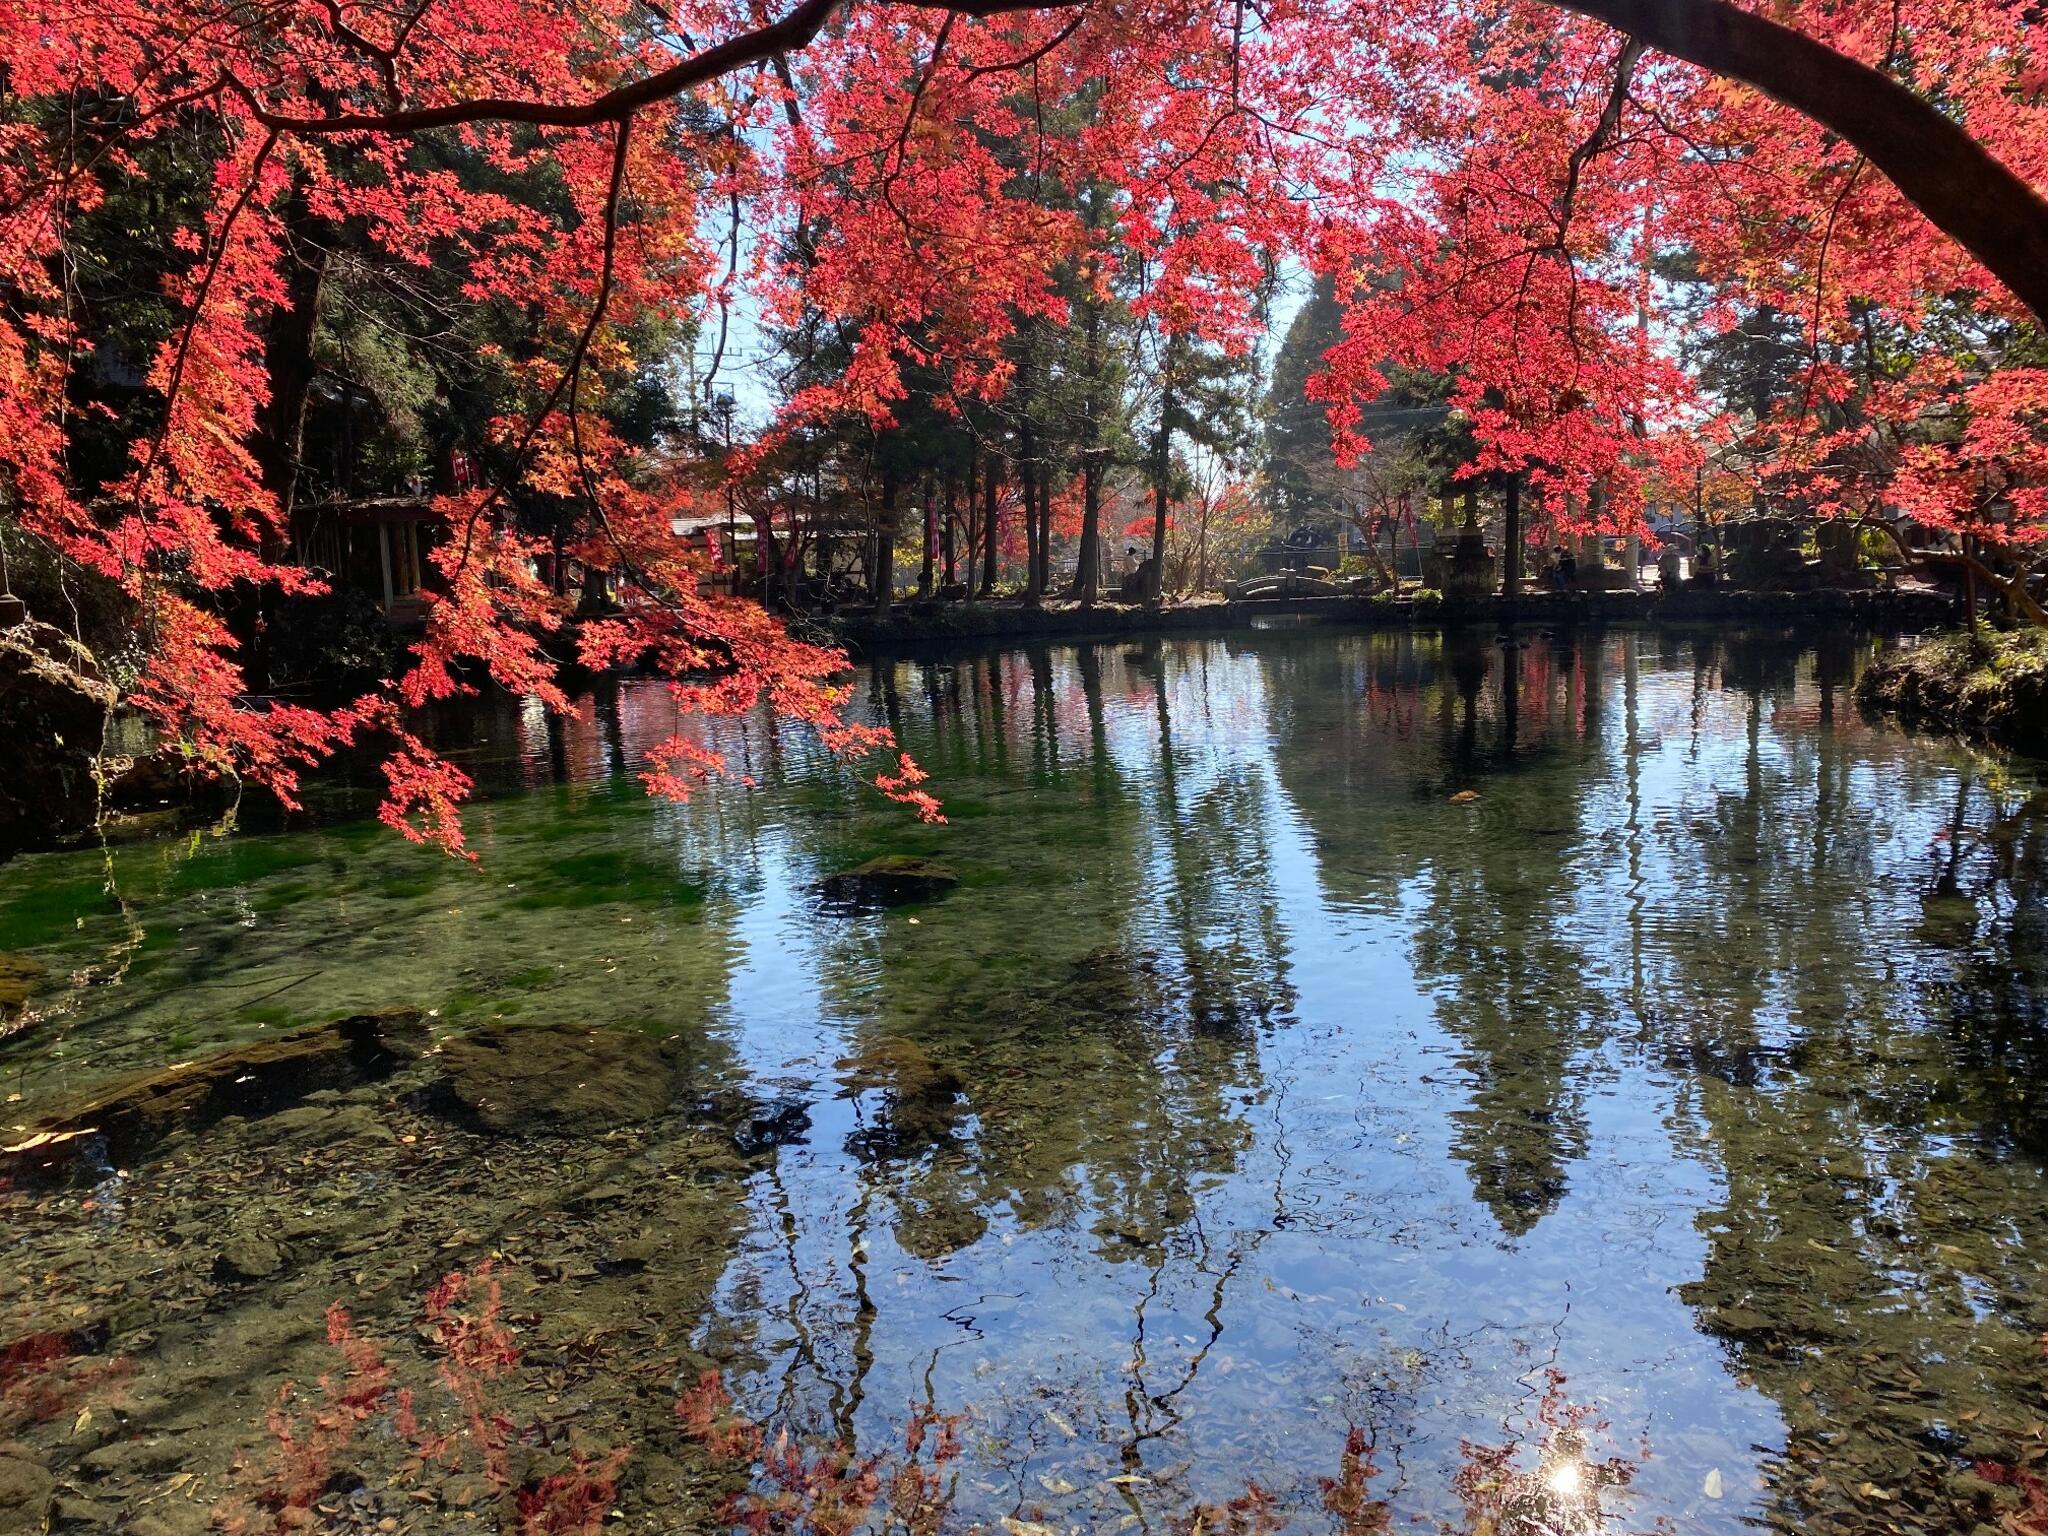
(1977, 683)
(922, 622)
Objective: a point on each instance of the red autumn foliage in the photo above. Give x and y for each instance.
(308, 1437)
(1503, 193)
(829, 1492)
(475, 1349)
(2025, 1476)
(1348, 1495)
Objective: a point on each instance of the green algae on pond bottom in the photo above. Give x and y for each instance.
(1244, 1090)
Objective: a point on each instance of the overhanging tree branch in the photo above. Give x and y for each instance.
(793, 32)
(1965, 190)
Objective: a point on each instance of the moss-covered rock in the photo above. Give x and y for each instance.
(894, 880)
(1981, 682)
(131, 1114)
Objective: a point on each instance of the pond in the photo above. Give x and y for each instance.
(1613, 1050)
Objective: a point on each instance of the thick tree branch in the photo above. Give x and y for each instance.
(1989, 209)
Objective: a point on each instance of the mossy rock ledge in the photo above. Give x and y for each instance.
(894, 880)
(1982, 683)
(127, 1117)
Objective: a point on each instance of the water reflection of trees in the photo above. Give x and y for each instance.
(1091, 1010)
(1072, 1039)
(1829, 941)
(1688, 857)
(1869, 1265)
(1376, 734)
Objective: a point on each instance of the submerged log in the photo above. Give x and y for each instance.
(124, 1119)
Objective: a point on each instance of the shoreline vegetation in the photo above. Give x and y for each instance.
(1982, 683)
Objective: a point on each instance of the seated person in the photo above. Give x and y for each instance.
(1668, 567)
(1564, 574)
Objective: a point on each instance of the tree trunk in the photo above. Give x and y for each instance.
(1162, 471)
(931, 541)
(288, 361)
(1511, 539)
(1027, 475)
(991, 492)
(1044, 556)
(1088, 560)
(885, 547)
(1088, 563)
(951, 517)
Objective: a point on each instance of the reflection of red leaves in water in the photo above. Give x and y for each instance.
(1348, 1494)
(832, 1493)
(2031, 1518)
(706, 1414)
(573, 1502)
(1251, 1513)
(475, 1349)
(307, 1442)
(1560, 1495)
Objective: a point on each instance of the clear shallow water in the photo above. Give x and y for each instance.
(1698, 1059)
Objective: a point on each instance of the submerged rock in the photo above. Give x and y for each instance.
(26, 1493)
(130, 1115)
(248, 1256)
(170, 1518)
(893, 880)
(70, 1512)
(763, 1127)
(554, 1077)
(918, 1098)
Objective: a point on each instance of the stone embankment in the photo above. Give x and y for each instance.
(1010, 619)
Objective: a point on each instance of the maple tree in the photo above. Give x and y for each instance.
(1505, 195)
